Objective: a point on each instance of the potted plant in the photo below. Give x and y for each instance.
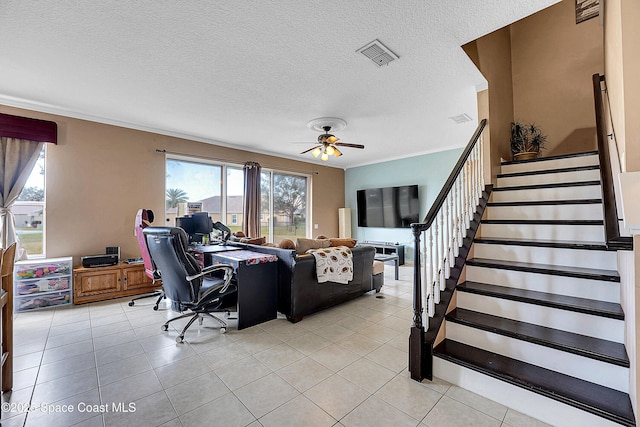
(527, 140)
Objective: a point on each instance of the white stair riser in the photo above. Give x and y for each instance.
(550, 178)
(527, 402)
(570, 321)
(548, 212)
(553, 193)
(570, 286)
(582, 233)
(606, 260)
(595, 371)
(569, 162)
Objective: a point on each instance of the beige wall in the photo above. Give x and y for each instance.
(553, 59)
(622, 62)
(98, 176)
(622, 65)
(539, 70)
(492, 56)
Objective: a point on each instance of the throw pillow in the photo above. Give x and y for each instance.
(254, 241)
(303, 245)
(287, 244)
(350, 243)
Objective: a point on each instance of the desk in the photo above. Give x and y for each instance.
(256, 275)
(199, 252)
(388, 257)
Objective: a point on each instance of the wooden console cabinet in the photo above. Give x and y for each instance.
(101, 283)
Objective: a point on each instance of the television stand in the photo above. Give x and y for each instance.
(387, 248)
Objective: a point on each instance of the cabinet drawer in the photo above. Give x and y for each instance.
(96, 283)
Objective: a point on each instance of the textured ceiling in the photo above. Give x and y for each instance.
(251, 74)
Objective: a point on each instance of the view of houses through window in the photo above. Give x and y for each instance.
(28, 210)
(284, 197)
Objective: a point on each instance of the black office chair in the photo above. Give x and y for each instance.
(200, 291)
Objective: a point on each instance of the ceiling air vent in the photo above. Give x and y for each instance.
(378, 53)
(461, 118)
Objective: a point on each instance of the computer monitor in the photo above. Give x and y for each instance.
(187, 224)
(202, 223)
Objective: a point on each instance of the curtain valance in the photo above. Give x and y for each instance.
(27, 128)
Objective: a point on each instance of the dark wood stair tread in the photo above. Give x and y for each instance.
(544, 159)
(582, 345)
(547, 202)
(564, 302)
(544, 221)
(548, 171)
(605, 402)
(560, 244)
(557, 270)
(551, 185)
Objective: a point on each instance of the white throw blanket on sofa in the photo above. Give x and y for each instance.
(333, 264)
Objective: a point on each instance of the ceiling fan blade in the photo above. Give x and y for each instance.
(344, 144)
(336, 152)
(306, 151)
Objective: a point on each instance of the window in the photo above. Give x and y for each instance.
(29, 210)
(284, 206)
(189, 181)
(283, 209)
(235, 198)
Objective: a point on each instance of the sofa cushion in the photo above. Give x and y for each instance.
(348, 242)
(303, 245)
(287, 244)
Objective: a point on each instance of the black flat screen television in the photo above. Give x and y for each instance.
(390, 207)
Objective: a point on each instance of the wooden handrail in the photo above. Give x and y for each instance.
(437, 204)
(613, 239)
(420, 351)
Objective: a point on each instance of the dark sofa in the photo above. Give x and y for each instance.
(299, 292)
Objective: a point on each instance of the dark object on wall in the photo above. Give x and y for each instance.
(586, 9)
(390, 207)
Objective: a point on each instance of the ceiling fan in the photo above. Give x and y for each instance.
(327, 143)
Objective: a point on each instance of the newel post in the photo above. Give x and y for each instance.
(417, 358)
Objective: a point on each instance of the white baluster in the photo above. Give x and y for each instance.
(481, 142)
(436, 261)
(452, 220)
(447, 238)
(424, 268)
(430, 276)
(443, 254)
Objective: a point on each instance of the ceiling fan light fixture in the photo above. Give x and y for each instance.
(316, 152)
(324, 157)
(330, 150)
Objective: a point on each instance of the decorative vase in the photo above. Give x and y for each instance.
(527, 155)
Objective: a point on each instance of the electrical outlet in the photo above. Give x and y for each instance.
(315, 226)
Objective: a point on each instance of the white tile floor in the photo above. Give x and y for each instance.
(346, 366)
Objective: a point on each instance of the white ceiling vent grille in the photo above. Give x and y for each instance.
(378, 53)
(461, 118)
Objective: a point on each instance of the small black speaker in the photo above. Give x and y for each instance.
(113, 250)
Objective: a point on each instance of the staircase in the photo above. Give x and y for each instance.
(538, 324)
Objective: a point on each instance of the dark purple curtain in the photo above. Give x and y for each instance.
(251, 211)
